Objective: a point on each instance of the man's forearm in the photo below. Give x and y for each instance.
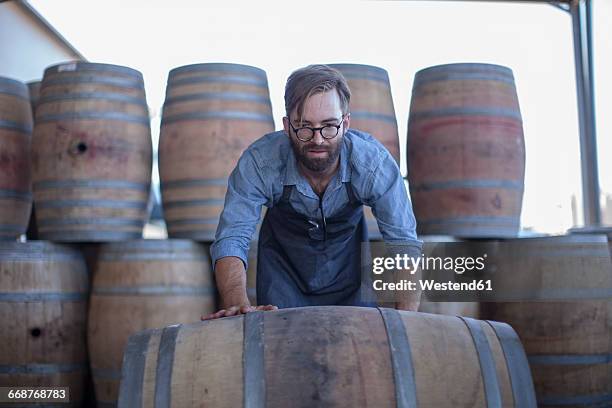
(231, 282)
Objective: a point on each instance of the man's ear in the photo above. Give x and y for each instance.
(286, 125)
(347, 122)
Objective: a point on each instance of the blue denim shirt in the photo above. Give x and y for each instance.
(269, 164)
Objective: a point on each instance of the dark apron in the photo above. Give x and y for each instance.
(303, 263)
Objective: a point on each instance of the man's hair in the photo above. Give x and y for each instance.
(313, 79)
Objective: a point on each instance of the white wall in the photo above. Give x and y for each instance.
(26, 47)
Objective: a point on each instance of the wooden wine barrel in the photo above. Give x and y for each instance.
(15, 175)
(568, 342)
(328, 356)
(466, 152)
(139, 285)
(43, 315)
(212, 113)
(91, 153)
(372, 111)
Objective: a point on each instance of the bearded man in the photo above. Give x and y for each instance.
(314, 177)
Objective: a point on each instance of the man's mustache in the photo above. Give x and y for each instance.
(316, 147)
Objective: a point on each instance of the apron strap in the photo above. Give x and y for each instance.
(286, 194)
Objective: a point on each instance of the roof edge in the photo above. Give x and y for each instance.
(27, 7)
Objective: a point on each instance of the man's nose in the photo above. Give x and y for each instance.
(317, 138)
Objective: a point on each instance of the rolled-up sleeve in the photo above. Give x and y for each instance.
(246, 193)
(391, 204)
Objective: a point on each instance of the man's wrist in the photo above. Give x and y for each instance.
(231, 282)
(236, 297)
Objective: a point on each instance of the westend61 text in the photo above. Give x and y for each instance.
(429, 285)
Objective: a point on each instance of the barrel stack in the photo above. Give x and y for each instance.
(465, 156)
(130, 303)
(466, 161)
(91, 166)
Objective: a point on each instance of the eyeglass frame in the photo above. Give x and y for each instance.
(314, 130)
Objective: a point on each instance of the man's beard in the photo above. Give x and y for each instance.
(315, 164)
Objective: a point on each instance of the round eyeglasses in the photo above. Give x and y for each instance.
(306, 134)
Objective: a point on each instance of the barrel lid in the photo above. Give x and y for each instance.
(80, 66)
(219, 66)
(466, 67)
(13, 87)
(360, 68)
(464, 71)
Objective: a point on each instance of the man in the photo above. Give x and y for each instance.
(314, 177)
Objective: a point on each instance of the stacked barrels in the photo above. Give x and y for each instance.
(466, 163)
(91, 170)
(91, 167)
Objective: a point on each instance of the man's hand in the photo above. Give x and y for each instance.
(236, 310)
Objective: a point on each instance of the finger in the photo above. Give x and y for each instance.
(267, 307)
(232, 311)
(216, 315)
(246, 309)
(210, 316)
